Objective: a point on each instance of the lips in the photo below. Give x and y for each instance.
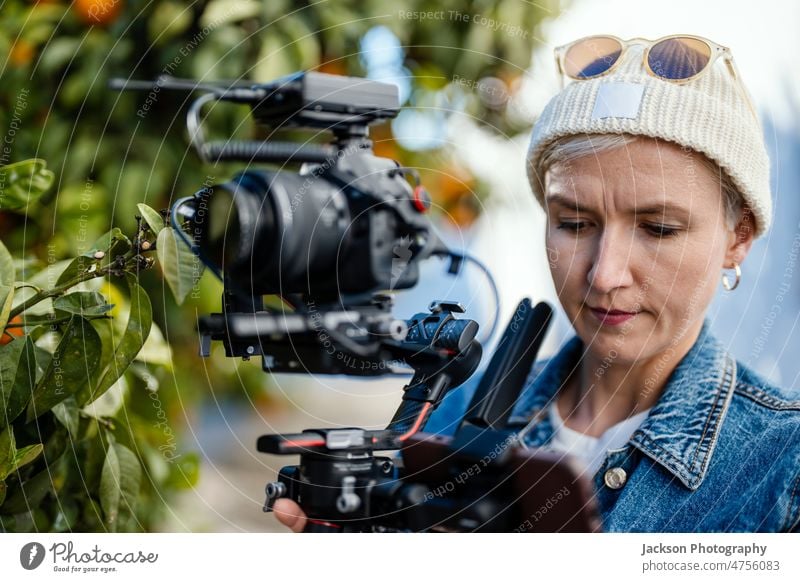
(612, 311)
(612, 317)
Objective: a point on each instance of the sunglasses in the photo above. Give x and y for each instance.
(678, 58)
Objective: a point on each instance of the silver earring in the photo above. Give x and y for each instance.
(726, 283)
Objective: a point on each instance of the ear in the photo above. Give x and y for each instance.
(740, 240)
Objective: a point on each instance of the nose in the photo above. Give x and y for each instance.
(611, 262)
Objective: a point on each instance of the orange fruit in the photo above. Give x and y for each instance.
(383, 143)
(451, 184)
(12, 332)
(333, 66)
(21, 53)
(463, 212)
(99, 12)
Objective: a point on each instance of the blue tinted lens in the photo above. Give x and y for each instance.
(599, 65)
(678, 58)
(591, 57)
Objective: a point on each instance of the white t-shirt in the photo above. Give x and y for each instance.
(588, 449)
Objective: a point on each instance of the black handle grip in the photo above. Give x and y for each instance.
(505, 376)
(260, 151)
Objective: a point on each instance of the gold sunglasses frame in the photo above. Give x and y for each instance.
(716, 51)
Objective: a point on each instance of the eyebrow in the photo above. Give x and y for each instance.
(654, 209)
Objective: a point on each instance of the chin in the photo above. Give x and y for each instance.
(624, 339)
(624, 354)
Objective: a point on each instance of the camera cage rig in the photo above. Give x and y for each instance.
(340, 481)
(289, 339)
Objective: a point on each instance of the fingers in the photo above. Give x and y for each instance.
(290, 514)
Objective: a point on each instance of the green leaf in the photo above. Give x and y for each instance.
(58, 52)
(153, 219)
(114, 243)
(156, 350)
(185, 471)
(12, 459)
(140, 320)
(84, 303)
(119, 483)
(8, 451)
(182, 269)
(305, 43)
(56, 445)
(273, 60)
(92, 465)
(41, 280)
(67, 413)
(34, 521)
(109, 402)
(106, 329)
(43, 359)
(27, 454)
(23, 182)
(110, 487)
(111, 244)
(78, 266)
(219, 12)
(169, 20)
(29, 494)
(70, 369)
(17, 377)
(6, 285)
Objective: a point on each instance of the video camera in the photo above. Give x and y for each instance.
(329, 240)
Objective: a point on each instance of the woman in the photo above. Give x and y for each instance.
(652, 171)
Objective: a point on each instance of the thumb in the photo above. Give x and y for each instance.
(290, 514)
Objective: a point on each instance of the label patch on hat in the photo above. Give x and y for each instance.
(618, 100)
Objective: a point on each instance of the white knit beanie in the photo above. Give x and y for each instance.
(708, 115)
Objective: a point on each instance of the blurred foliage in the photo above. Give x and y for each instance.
(110, 151)
(78, 451)
(58, 65)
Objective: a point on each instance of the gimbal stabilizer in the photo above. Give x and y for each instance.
(481, 479)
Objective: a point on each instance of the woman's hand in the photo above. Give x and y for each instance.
(290, 514)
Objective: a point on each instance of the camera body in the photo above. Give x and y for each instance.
(346, 226)
(348, 223)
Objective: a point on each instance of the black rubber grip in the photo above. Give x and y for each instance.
(260, 151)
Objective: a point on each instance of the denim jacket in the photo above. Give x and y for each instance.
(719, 452)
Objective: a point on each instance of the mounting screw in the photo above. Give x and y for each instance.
(275, 490)
(440, 306)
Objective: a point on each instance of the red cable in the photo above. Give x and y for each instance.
(417, 422)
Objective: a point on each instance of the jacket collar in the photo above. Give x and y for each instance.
(681, 431)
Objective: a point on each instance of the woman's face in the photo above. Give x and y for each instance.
(640, 229)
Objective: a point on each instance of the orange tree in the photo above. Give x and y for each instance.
(70, 458)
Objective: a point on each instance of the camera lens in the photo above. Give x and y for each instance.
(275, 232)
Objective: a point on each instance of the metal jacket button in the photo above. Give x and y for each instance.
(615, 478)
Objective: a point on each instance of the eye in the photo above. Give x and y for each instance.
(571, 226)
(660, 230)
